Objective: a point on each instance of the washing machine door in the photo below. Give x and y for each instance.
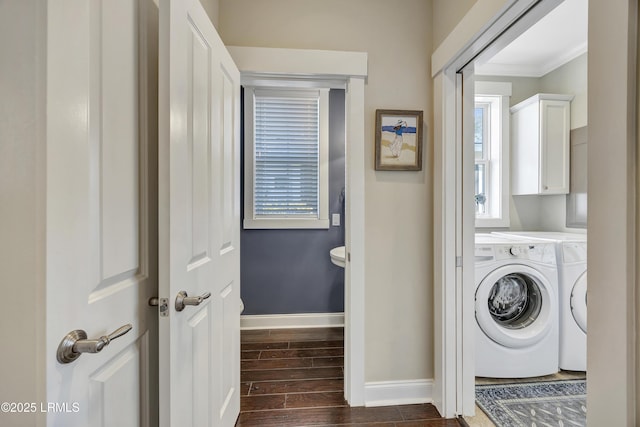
(515, 305)
(579, 302)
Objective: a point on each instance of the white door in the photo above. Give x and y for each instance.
(199, 197)
(99, 264)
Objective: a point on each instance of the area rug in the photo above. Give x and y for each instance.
(553, 403)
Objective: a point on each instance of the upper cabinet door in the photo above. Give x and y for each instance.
(199, 221)
(540, 145)
(555, 127)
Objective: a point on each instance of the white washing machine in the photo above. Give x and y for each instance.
(516, 307)
(571, 252)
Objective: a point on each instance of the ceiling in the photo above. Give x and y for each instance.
(553, 41)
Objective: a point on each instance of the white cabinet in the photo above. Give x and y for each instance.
(540, 145)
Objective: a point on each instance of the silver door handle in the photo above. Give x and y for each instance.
(75, 343)
(182, 300)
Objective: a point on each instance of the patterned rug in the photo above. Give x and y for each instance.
(553, 403)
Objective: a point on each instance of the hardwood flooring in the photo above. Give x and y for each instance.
(294, 377)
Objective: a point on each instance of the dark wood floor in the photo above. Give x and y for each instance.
(294, 377)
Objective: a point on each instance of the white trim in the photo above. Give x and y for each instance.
(264, 60)
(351, 67)
(284, 223)
(500, 142)
(354, 276)
(445, 270)
(537, 71)
(322, 220)
(301, 82)
(535, 99)
(323, 152)
(391, 393)
(285, 321)
(465, 291)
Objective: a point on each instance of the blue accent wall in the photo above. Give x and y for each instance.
(289, 271)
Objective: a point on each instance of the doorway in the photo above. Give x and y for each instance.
(456, 200)
(352, 74)
(521, 199)
(612, 97)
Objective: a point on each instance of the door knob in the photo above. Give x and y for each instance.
(182, 300)
(75, 343)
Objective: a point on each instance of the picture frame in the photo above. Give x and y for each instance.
(398, 140)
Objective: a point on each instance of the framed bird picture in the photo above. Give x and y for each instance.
(399, 140)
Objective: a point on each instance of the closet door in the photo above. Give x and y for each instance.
(98, 260)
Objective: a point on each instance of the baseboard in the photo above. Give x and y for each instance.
(388, 393)
(282, 321)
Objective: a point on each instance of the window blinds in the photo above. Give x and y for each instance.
(286, 154)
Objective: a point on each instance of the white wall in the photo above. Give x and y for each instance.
(21, 203)
(399, 256)
(448, 14)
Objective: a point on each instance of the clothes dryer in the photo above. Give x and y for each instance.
(571, 253)
(516, 306)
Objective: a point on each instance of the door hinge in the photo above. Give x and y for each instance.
(458, 261)
(162, 304)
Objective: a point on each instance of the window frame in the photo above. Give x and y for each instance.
(486, 156)
(251, 221)
(497, 95)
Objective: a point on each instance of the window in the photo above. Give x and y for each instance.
(491, 149)
(286, 158)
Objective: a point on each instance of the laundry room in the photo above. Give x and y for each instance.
(530, 147)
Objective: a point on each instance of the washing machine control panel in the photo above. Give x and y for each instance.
(515, 250)
(539, 252)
